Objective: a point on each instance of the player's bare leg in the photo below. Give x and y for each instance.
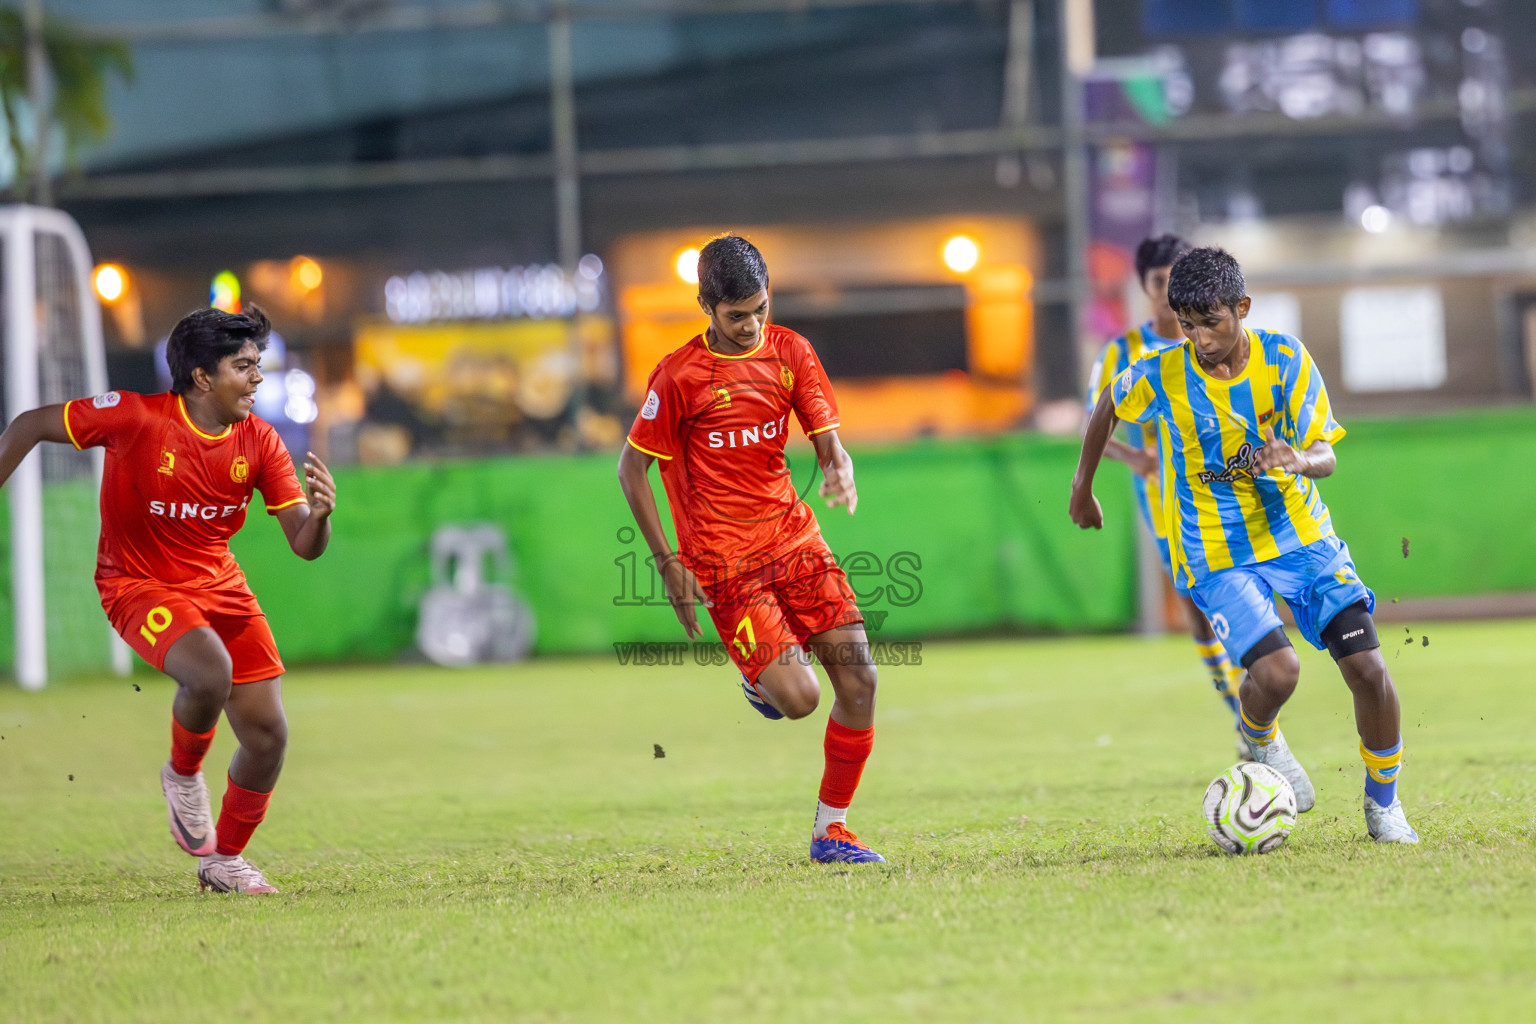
(1271, 681)
(1377, 716)
(789, 683)
(255, 712)
(1378, 720)
(201, 668)
(1269, 684)
(844, 653)
(200, 665)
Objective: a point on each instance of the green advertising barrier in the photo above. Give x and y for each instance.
(1457, 489)
(951, 537)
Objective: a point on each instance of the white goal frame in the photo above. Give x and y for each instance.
(19, 226)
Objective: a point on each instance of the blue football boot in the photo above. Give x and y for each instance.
(842, 847)
(754, 698)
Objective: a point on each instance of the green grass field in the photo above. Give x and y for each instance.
(503, 845)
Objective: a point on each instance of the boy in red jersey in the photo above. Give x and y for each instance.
(181, 467)
(716, 414)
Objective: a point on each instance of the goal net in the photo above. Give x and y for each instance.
(50, 331)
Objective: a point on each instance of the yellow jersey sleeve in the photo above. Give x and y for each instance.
(1103, 373)
(1133, 394)
(1307, 409)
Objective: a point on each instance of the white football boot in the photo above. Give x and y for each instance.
(186, 798)
(1243, 753)
(1388, 824)
(231, 874)
(1277, 754)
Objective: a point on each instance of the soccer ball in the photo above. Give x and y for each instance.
(1249, 808)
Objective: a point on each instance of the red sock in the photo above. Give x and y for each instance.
(188, 747)
(847, 750)
(242, 811)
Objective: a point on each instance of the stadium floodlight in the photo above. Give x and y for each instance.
(687, 265)
(53, 352)
(110, 282)
(306, 274)
(1375, 219)
(961, 253)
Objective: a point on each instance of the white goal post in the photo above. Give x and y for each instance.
(53, 352)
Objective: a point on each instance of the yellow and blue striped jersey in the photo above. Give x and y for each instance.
(1117, 357)
(1219, 514)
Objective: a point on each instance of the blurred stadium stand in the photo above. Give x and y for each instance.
(386, 138)
(446, 164)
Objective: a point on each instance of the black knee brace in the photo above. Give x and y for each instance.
(1269, 643)
(1350, 632)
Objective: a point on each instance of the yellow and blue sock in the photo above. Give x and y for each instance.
(1258, 732)
(1224, 675)
(1381, 772)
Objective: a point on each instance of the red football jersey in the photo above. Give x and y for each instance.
(171, 495)
(718, 424)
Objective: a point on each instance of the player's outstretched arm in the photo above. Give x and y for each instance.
(1084, 507)
(683, 587)
(836, 471)
(308, 527)
(24, 433)
(1316, 460)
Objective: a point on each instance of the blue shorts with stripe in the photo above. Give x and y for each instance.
(1317, 581)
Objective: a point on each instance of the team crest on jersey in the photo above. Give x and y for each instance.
(722, 398)
(240, 470)
(167, 462)
(651, 407)
(107, 400)
(786, 377)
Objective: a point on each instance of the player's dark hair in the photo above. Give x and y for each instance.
(1162, 251)
(205, 336)
(730, 269)
(1203, 280)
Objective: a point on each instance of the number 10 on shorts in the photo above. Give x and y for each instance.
(156, 622)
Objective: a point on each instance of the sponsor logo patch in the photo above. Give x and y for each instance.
(107, 400)
(651, 407)
(1237, 468)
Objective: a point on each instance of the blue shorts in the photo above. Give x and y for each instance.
(1317, 581)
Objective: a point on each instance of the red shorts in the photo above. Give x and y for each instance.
(152, 616)
(768, 613)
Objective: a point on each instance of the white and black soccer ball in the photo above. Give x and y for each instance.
(1249, 808)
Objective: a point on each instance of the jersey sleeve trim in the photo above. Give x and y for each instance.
(822, 430)
(181, 403)
(288, 504)
(647, 451)
(67, 428)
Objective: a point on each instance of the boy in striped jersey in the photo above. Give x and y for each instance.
(1249, 429)
(1141, 449)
